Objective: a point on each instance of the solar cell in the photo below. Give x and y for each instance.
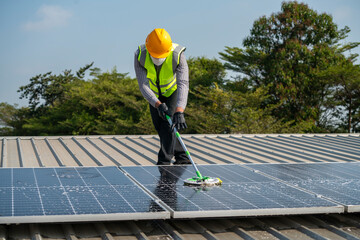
(23, 177)
(243, 193)
(5, 177)
(72, 194)
(26, 202)
(55, 201)
(5, 202)
(336, 181)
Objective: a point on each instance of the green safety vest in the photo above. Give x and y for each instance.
(165, 81)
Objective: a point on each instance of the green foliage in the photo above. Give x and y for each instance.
(344, 99)
(220, 106)
(284, 53)
(12, 119)
(205, 72)
(46, 89)
(224, 111)
(109, 103)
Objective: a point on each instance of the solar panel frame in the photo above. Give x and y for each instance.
(148, 178)
(32, 195)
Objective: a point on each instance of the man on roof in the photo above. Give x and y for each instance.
(163, 77)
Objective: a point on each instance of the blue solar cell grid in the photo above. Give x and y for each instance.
(242, 189)
(70, 191)
(247, 190)
(336, 181)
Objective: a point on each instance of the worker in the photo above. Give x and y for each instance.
(163, 77)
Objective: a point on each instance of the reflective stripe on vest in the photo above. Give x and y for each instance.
(167, 76)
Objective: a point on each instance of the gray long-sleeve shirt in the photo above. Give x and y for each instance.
(182, 81)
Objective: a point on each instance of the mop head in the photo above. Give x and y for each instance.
(202, 182)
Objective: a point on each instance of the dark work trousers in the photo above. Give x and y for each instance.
(169, 145)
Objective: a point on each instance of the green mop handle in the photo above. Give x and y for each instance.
(177, 134)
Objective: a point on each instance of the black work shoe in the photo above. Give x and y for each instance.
(180, 162)
(163, 163)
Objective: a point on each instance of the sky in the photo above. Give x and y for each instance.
(40, 36)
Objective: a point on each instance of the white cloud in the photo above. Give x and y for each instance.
(49, 17)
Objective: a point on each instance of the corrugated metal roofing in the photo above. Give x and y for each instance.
(205, 149)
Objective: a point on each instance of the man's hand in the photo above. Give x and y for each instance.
(163, 111)
(178, 121)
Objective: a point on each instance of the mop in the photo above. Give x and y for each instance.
(199, 180)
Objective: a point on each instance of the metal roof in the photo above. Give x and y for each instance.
(205, 149)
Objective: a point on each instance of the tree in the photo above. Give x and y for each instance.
(344, 99)
(12, 119)
(222, 111)
(46, 89)
(205, 72)
(217, 105)
(109, 103)
(285, 53)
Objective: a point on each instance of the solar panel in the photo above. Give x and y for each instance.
(73, 194)
(336, 181)
(243, 193)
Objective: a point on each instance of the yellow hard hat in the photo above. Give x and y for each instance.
(158, 43)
